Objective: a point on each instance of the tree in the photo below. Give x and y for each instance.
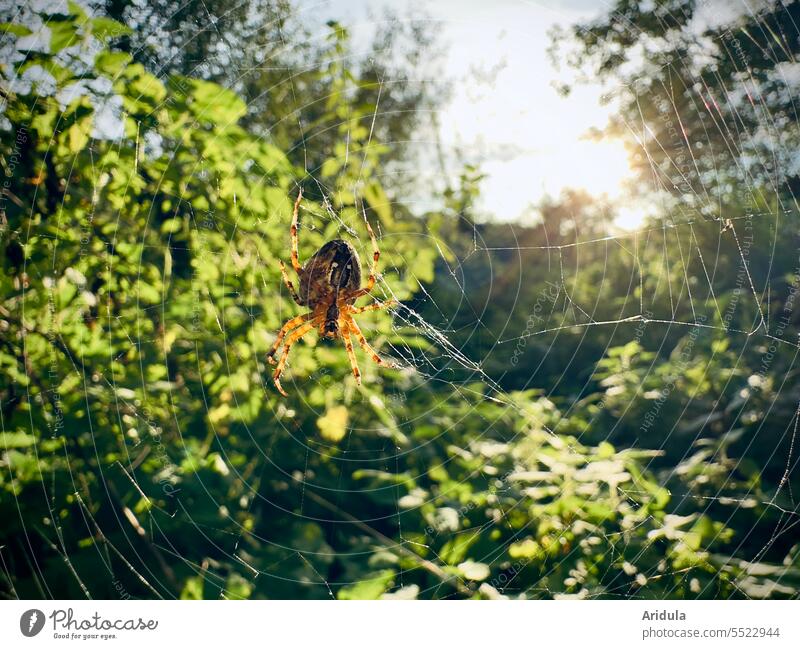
(272, 55)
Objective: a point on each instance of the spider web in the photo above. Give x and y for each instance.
(568, 315)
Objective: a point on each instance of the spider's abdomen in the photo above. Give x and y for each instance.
(333, 268)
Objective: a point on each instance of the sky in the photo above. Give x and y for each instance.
(528, 139)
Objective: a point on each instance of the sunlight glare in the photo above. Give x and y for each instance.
(630, 217)
(599, 168)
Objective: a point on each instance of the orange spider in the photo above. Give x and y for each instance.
(330, 283)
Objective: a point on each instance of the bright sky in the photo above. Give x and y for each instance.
(527, 139)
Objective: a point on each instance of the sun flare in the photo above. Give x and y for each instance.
(599, 168)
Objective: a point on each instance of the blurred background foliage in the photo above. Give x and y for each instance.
(144, 450)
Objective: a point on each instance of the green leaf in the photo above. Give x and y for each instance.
(370, 588)
(143, 88)
(237, 587)
(112, 63)
(62, 34)
(330, 167)
(378, 201)
(105, 28)
(455, 550)
(193, 588)
(78, 135)
(171, 226)
(527, 549)
(16, 440)
(209, 102)
(333, 425)
(75, 9)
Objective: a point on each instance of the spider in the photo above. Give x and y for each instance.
(330, 283)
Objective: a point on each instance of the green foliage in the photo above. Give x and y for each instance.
(140, 291)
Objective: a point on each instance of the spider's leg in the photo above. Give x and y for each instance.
(374, 306)
(295, 260)
(296, 335)
(373, 271)
(348, 345)
(354, 329)
(285, 329)
(289, 284)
